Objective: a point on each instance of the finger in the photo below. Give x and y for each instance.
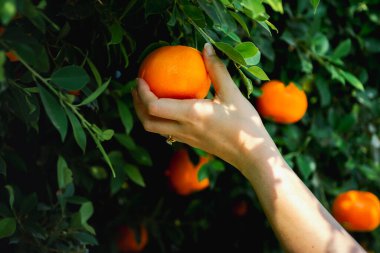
(167, 108)
(151, 123)
(219, 75)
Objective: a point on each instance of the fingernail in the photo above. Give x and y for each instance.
(209, 49)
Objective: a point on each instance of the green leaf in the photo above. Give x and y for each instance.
(71, 77)
(249, 51)
(11, 195)
(195, 14)
(8, 10)
(253, 9)
(247, 82)
(106, 135)
(258, 72)
(95, 72)
(54, 111)
(7, 227)
(98, 172)
(272, 26)
(306, 165)
(155, 7)
(64, 174)
(126, 140)
(315, 4)
(241, 21)
(320, 44)
(85, 238)
(231, 53)
(117, 33)
(342, 50)
(141, 156)
(2, 61)
(35, 16)
(276, 5)
(3, 167)
(86, 211)
(79, 134)
(125, 115)
(134, 174)
(95, 94)
(352, 80)
(324, 91)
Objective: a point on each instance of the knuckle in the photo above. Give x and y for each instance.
(152, 108)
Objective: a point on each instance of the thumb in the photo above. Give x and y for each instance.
(219, 75)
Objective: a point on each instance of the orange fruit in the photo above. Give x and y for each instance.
(240, 208)
(357, 210)
(282, 104)
(176, 72)
(128, 241)
(2, 30)
(183, 174)
(74, 92)
(11, 56)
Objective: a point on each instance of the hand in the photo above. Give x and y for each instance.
(225, 126)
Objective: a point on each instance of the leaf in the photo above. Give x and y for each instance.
(95, 72)
(117, 33)
(315, 4)
(86, 210)
(95, 94)
(155, 7)
(134, 174)
(324, 91)
(231, 53)
(64, 174)
(79, 134)
(7, 227)
(85, 238)
(258, 72)
(276, 5)
(249, 51)
(54, 111)
(8, 10)
(2, 61)
(126, 140)
(342, 50)
(352, 80)
(247, 82)
(195, 14)
(106, 135)
(71, 77)
(11, 195)
(125, 115)
(241, 21)
(306, 165)
(141, 156)
(320, 44)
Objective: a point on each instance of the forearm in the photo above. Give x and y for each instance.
(298, 219)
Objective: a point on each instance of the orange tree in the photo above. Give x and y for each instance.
(76, 165)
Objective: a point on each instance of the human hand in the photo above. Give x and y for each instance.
(226, 126)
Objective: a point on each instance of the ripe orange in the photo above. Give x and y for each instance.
(128, 241)
(176, 72)
(183, 174)
(357, 210)
(11, 56)
(282, 104)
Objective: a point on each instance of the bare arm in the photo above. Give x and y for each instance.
(229, 127)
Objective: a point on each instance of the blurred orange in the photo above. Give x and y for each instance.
(357, 210)
(128, 241)
(282, 104)
(183, 174)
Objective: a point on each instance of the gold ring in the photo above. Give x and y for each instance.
(170, 140)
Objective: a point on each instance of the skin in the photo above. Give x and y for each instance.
(229, 127)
